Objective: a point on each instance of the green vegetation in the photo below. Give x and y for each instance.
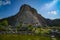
(39, 35)
(18, 26)
(30, 27)
(39, 32)
(2, 29)
(22, 37)
(4, 23)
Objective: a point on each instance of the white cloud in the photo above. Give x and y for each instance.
(52, 12)
(49, 6)
(5, 2)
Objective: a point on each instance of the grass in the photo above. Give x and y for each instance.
(22, 37)
(28, 37)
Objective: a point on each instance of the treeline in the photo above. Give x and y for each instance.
(52, 23)
(4, 23)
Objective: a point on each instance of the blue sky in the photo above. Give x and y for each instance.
(47, 8)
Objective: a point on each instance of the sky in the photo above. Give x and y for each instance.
(47, 8)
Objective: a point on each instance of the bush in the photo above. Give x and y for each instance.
(4, 23)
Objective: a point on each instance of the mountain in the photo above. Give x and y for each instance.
(27, 16)
(55, 22)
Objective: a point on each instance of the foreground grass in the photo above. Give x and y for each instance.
(22, 37)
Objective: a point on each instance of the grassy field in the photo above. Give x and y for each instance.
(22, 37)
(28, 37)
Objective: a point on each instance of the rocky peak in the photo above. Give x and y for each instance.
(25, 7)
(27, 16)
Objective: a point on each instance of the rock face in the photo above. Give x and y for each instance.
(27, 16)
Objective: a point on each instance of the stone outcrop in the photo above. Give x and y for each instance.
(27, 16)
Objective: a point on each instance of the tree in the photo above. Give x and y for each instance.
(2, 29)
(38, 31)
(19, 26)
(0, 25)
(4, 23)
(30, 27)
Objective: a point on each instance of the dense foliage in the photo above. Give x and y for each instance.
(4, 23)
